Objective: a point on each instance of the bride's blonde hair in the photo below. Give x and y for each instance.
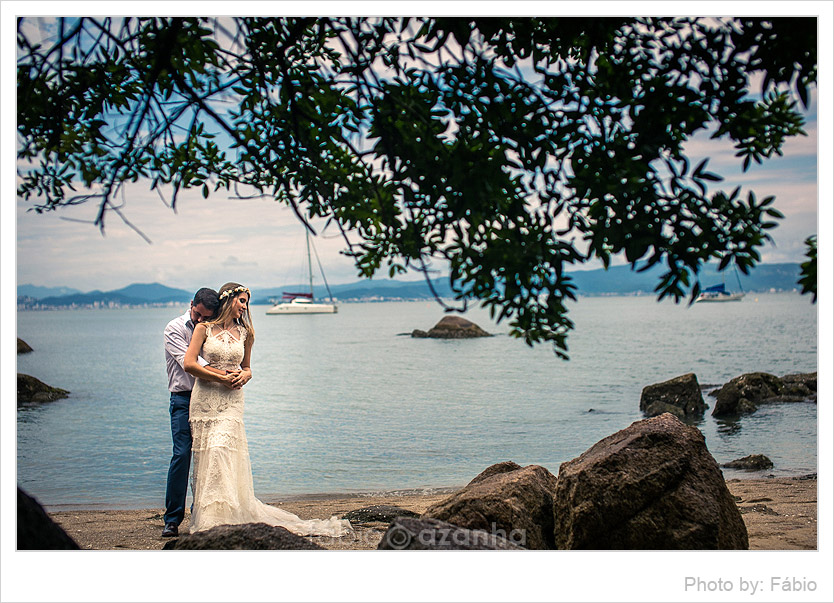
(227, 293)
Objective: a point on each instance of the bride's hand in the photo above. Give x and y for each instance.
(229, 379)
(242, 378)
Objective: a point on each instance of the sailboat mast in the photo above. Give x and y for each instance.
(738, 279)
(309, 262)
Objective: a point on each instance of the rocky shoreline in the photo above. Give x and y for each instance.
(650, 486)
(779, 514)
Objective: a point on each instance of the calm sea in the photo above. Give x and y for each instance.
(345, 403)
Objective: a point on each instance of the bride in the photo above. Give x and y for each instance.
(221, 481)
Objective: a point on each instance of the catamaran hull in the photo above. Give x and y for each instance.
(291, 308)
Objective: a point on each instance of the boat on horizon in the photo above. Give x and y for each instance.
(305, 303)
(301, 303)
(718, 293)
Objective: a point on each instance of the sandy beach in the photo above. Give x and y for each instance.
(780, 514)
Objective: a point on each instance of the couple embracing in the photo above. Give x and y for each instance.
(208, 351)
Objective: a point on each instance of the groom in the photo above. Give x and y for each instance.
(177, 337)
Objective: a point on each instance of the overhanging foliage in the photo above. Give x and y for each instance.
(507, 148)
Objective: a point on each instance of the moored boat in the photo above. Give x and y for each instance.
(301, 303)
(305, 303)
(718, 293)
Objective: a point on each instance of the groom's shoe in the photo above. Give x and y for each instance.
(170, 530)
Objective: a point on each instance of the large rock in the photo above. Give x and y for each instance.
(23, 347)
(406, 533)
(243, 537)
(452, 327)
(653, 485)
(36, 530)
(512, 501)
(502, 467)
(745, 393)
(680, 396)
(754, 462)
(32, 391)
(801, 385)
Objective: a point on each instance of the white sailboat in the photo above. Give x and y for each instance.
(305, 303)
(719, 293)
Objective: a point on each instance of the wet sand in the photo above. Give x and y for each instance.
(780, 514)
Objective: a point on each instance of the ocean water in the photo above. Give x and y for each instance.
(348, 403)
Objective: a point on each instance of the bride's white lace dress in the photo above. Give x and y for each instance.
(221, 477)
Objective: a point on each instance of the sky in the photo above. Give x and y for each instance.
(260, 242)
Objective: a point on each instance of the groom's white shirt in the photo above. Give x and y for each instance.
(178, 334)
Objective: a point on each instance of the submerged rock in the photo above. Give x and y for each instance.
(754, 462)
(653, 485)
(745, 393)
(243, 537)
(31, 391)
(800, 385)
(506, 499)
(36, 530)
(23, 347)
(452, 327)
(409, 534)
(680, 396)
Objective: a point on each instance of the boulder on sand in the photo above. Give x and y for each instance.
(384, 513)
(36, 530)
(452, 327)
(653, 485)
(502, 467)
(243, 537)
(505, 499)
(31, 390)
(680, 396)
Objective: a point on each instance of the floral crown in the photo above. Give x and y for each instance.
(233, 292)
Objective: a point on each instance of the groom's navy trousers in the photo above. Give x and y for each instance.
(181, 459)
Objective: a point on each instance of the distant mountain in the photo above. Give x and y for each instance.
(624, 281)
(91, 298)
(40, 292)
(389, 289)
(617, 280)
(366, 289)
(154, 293)
(138, 294)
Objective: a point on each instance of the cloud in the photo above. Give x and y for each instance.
(206, 240)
